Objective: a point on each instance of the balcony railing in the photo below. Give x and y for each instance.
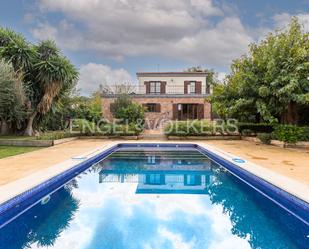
(169, 90)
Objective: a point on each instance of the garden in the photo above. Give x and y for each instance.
(39, 99)
(266, 95)
(267, 91)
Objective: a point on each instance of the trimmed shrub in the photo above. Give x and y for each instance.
(87, 128)
(84, 126)
(305, 134)
(265, 137)
(288, 133)
(55, 135)
(247, 128)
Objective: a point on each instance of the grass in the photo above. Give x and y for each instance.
(6, 151)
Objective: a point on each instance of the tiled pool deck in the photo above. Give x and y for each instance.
(286, 168)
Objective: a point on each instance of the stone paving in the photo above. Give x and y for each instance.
(291, 163)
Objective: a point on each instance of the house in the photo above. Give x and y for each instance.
(160, 174)
(168, 96)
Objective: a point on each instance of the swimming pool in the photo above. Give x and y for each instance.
(150, 196)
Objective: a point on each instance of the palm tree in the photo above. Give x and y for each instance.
(16, 50)
(53, 73)
(46, 72)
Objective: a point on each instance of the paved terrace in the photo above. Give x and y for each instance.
(291, 163)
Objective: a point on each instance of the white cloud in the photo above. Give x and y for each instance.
(221, 76)
(180, 29)
(92, 75)
(45, 31)
(281, 20)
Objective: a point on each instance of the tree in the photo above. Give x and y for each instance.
(123, 108)
(72, 106)
(118, 88)
(270, 83)
(12, 98)
(47, 73)
(212, 76)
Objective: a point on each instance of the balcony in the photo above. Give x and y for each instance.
(167, 91)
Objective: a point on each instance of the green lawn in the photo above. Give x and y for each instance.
(6, 151)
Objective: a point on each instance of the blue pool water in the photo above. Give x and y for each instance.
(152, 198)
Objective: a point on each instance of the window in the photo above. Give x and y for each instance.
(155, 87)
(192, 180)
(155, 179)
(192, 88)
(151, 159)
(152, 107)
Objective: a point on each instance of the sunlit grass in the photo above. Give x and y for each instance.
(6, 151)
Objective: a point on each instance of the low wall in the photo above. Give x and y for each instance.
(26, 143)
(35, 143)
(112, 137)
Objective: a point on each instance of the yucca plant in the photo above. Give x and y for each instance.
(46, 72)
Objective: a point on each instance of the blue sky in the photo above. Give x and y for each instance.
(109, 40)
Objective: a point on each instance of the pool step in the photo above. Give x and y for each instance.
(148, 136)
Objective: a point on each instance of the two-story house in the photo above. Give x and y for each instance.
(169, 96)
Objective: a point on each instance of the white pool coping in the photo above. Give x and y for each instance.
(12, 189)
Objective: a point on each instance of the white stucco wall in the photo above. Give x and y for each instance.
(174, 84)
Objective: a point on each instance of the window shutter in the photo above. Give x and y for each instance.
(200, 111)
(186, 84)
(158, 108)
(207, 88)
(198, 87)
(175, 111)
(163, 87)
(147, 87)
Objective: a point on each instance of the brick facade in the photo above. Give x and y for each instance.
(166, 110)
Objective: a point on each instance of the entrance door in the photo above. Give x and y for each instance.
(188, 111)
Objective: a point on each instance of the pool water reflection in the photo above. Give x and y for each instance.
(155, 199)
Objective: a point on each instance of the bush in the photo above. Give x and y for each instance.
(133, 113)
(84, 126)
(55, 135)
(305, 133)
(123, 108)
(288, 133)
(265, 137)
(247, 128)
(122, 101)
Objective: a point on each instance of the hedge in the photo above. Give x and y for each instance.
(54, 135)
(285, 133)
(197, 128)
(305, 135)
(290, 133)
(255, 128)
(87, 128)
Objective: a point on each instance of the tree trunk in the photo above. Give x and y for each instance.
(4, 127)
(291, 114)
(29, 129)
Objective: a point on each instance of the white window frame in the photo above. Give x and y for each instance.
(155, 87)
(192, 86)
